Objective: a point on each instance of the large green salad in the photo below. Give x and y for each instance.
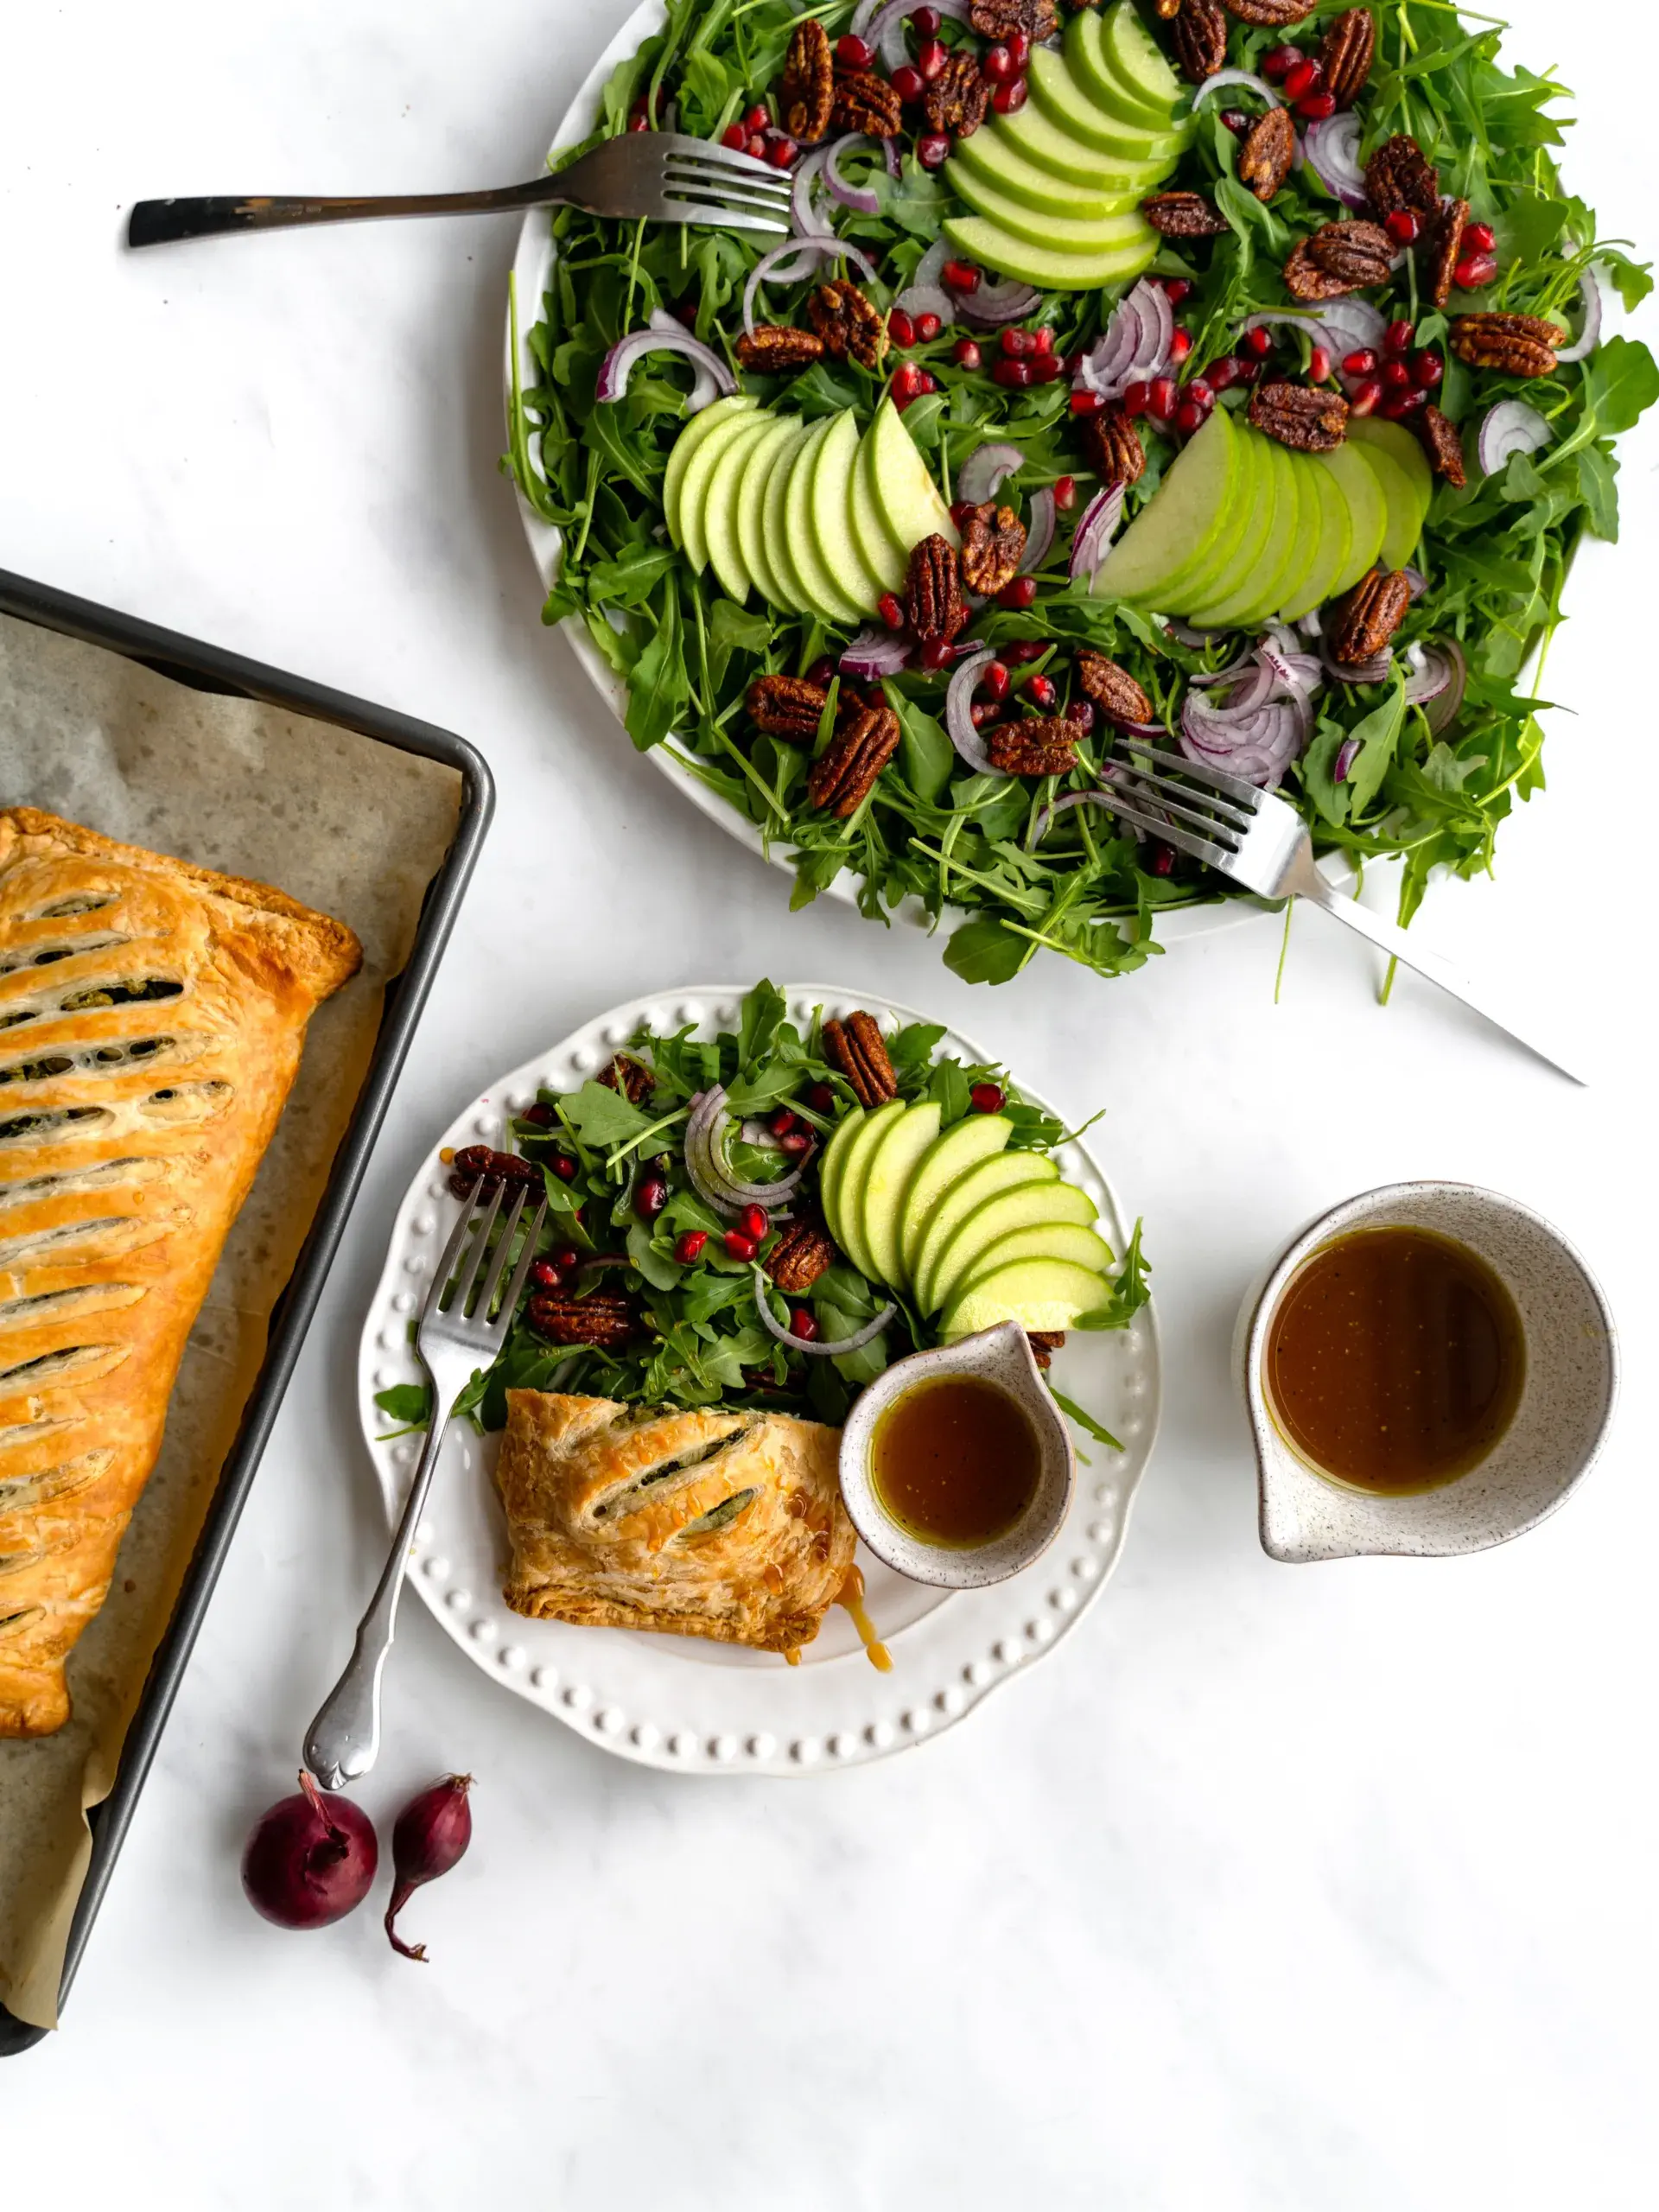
(1075, 278)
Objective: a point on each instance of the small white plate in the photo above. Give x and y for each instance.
(681, 1703)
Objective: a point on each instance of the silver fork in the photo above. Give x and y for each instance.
(644, 175)
(344, 1740)
(1261, 841)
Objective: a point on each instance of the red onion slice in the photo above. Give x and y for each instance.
(1258, 744)
(807, 221)
(1096, 525)
(1593, 286)
(1432, 671)
(875, 652)
(705, 1161)
(930, 269)
(1441, 709)
(861, 198)
(891, 155)
(713, 375)
(926, 299)
(958, 715)
(1333, 149)
(816, 1347)
(1510, 428)
(802, 256)
(1347, 753)
(1374, 670)
(992, 305)
(1040, 531)
(1135, 346)
(1044, 819)
(986, 470)
(1353, 322)
(885, 27)
(1258, 84)
(1416, 582)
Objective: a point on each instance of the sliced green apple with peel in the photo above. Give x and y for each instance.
(773, 534)
(1182, 522)
(1138, 61)
(906, 497)
(884, 557)
(1050, 269)
(1121, 227)
(694, 485)
(889, 1178)
(1331, 555)
(829, 518)
(1262, 494)
(976, 1137)
(1055, 1240)
(1284, 552)
(1059, 96)
(1037, 138)
(1040, 1295)
(849, 1186)
(1029, 1206)
(720, 506)
(988, 158)
(1087, 56)
(825, 594)
(1401, 447)
(1220, 556)
(1368, 517)
(783, 432)
(703, 425)
(1302, 548)
(830, 1168)
(1004, 1171)
(1399, 487)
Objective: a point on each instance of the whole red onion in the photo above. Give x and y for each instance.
(432, 1833)
(310, 1859)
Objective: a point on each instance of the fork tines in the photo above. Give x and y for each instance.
(707, 182)
(1205, 814)
(474, 1288)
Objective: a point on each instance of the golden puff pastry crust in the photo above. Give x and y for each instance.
(728, 1525)
(151, 1019)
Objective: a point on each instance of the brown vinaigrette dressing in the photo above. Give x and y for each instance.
(851, 1595)
(1394, 1360)
(955, 1461)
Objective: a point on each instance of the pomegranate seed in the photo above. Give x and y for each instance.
(564, 1167)
(1009, 98)
(1301, 78)
(1163, 859)
(821, 1096)
(567, 1258)
(1238, 122)
(965, 353)
(1317, 107)
(1017, 374)
(759, 117)
(782, 152)
(1019, 48)
(687, 1247)
(735, 137)
(1259, 342)
(638, 123)
(985, 1097)
(960, 511)
(757, 148)
(893, 614)
(1180, 346)
(1395, 375)
(1013, 343)
(1278, 65)
(1082, 711)
(1363, 401)
(995, 679)
(1018, 650)
(998, 65)
(928, 328)
(802, 1323)
(934, 149)
(1019, 594)
(938, 652)
(1176, 289)
(1065, 493)
(1427, 370)
(906, 381)
(907, 83)
(983, 711)
(1479, 238)
(1360, 363)
(1041, 692)
(928, 382)
(961, 276)
(739, 1246)
(1088, 403)
(924, 21)
(1200, 393)
(1189, 417)
(796, 1144)
(753, 1221)
(1403, 403)
(854, 52)
(540, 1116)
(1396, 338)
(1404, 226)
(1042, 341)
(1137, 398)
(1318, 365)
(821, 671)
(650, 1197)
(1474, 272)
(1221, 373)
(544, 1275)
(1162, 403)
(930, 58)
(781, 1122)
(900, 329)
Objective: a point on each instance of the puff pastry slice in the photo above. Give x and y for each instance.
(728, 1525)
(151, 1018)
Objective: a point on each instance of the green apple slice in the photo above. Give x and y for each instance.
(1054, 270)
(1088, 58)
(1214, 606)
(988, 160)
(1121, 226)
(824, 594)
(884, 557)
(1169, 539)
(1302, 546)
(1401, 469)
(830, 518)
(1330, 550)
(1055, 1240)
(1064, 100)
(905, 496)
(849, 1184)
(783, 433)
(1401, 447)
(703, 425)
(1283, 552)
(892, 1165)
(976, 1137)
(694, 483)
(1367, 518)
(830, 1168)
(1037, 1207)
(1042, 1294)
(1037, 138)
(1138, 61)
(1004, 1171)
(719, 520)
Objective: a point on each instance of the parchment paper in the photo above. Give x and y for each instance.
(352, 827)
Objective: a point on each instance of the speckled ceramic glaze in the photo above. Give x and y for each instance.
(1567, 1400)
(1002, 1355)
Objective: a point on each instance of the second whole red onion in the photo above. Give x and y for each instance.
(432, 1833)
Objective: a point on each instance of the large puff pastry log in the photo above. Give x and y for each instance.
(152, 1017)
(728, 1525)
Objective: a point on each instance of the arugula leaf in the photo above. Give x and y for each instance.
(1085, 1422)
(600, 1116)
(1129, 1292)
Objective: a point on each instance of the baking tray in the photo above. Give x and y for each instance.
(207, 668)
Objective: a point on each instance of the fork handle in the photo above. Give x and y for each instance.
(1524, 1024)
(163, 222)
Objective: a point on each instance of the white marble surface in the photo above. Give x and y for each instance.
(1325, 1888)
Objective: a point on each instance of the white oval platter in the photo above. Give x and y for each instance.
(693, 1707)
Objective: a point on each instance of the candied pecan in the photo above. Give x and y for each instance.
(1113, 689)
(864, 101)
(1514, 345)
(1183, 215)
(476, 1162)
(604, 1319)
(958, 98)
(1036, 745)
(1338, 257)
(787, 706)
(856, 1047)
(1346, 53)
(934, 607)
(993, 546)
(1442, 444)
(1361, 625)
(843, 777)
(1273, 13)
(846, 322)
(1044, 1343)
(775, 350)
(1448, 248)
(1298, 416)
(998, 19)
(632, 1077)
(1265, 157)
(807, 89)
(1398, 175)
(803, 1251)
(1114, 445)
(1199, 36)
